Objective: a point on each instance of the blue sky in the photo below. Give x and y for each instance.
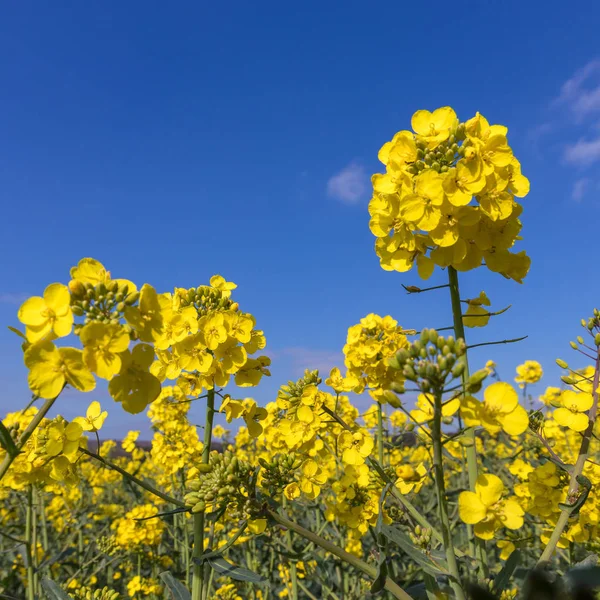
(174, 141)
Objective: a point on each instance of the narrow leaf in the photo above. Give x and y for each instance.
(177, 589)
(53, 591)
(501, 580)
(224, 567)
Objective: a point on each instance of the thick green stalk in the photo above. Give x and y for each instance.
(438, 465)
(198, 574)
(8, 459)
(584, 453)
(476, 546)
(352, 560)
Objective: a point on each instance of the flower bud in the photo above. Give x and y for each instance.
(132, 298)
(76, 288)
(562, 364)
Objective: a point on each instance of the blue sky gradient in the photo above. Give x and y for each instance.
(175, 141)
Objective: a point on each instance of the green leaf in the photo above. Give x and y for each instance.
(177, 589)
(501, 580)
(53, 591)
(382, 571)
(401, 539)
(417, 591)
(224, 567)
(7, 442)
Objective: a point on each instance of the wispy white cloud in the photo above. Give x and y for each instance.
(581, 93)
(583, 153)
(311, 358)
(12, 298)
(536, 134)
(349, 185)
(580, 188)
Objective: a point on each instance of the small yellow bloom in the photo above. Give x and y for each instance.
(50, 368)
(500, 410)
(486, 510)
(355, 447)
(572, 413)
(48, 315)
(529, 372)
(102, 345)
(94, 417)
(225, 287)
(434, 127)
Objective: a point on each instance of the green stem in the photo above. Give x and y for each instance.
(34, 541)
(8, 459)
(28, 552)
(328, 546)
(584, 452)
(198, 575)
(436, 430)
(293, 565)
(380, 433)
(134, 479)
(476, 546)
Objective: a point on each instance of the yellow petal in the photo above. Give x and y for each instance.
(501, 396)
(57, 297)
(470, 508)
(31, 311)
(516, 422)
(489, 488)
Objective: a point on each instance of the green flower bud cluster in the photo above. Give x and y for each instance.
(593, 322)
(421, 537)
(396, 513)
(536, 420)
(14, 432)
(207, 299)
(107, 545)
(41, 433)
(103, 302)
(290, 394)
(86, 593)
(278, 473)
(443, 157)
(221, 482)
(431, 361)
